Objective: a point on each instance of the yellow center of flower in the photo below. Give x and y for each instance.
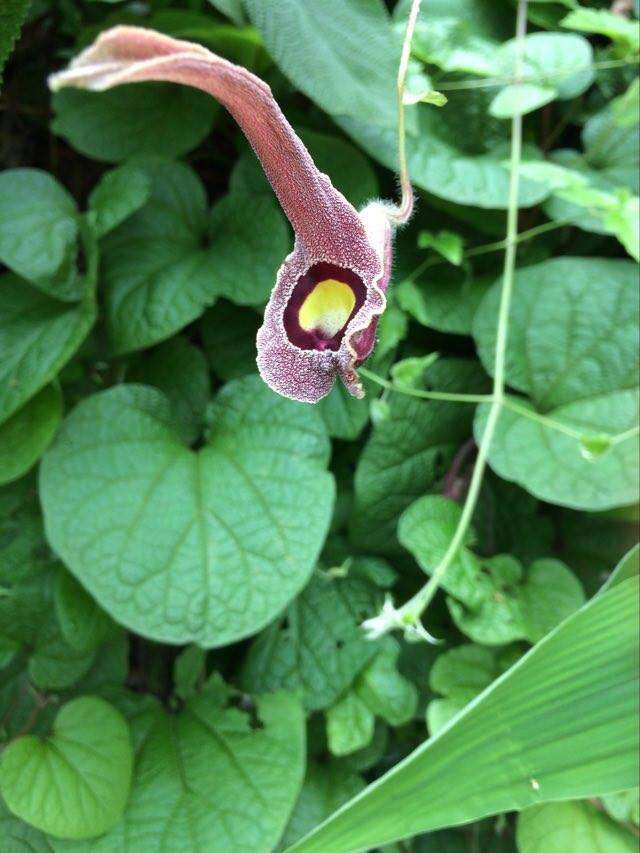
(327, 308)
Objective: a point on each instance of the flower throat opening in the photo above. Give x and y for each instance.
(323, 302)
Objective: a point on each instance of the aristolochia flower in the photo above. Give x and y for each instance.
(321, 319)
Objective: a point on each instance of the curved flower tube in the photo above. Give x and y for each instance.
(322, 315)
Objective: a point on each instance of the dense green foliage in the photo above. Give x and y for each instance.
(186, 559)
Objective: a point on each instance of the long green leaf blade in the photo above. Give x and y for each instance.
(561, 724)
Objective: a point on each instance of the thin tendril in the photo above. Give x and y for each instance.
(401, 213)
(487, 248)
(507, 402)
(624, 436)
(425, 395)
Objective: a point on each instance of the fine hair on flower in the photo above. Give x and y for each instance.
(321, 320)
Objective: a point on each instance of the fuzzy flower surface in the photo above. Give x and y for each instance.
(320, 321)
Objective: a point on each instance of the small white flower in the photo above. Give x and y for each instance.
(391, 619)
(387, 620)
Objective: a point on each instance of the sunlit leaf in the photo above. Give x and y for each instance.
(354, 53)
(75, 783)
(104, 502)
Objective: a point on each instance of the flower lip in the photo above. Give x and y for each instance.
(323, 303)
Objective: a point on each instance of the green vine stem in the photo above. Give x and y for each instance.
(409, 615)
(487, 248)
(400, 215)
(425, 395)
(508, 403)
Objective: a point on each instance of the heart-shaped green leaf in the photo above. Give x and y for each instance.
(38, 335)
(156, 272)
(562, 62)
(173, 258)
(573, 347)
(350, 724)
(212, 778)
(75, 783)
(24, 437)
(384, 690)
(249, 237)
(317, 647)
(38, 223)
(182, 546)
(572, 329)
(117, 196)
(155, 119)
(561, 469)
(460, 674)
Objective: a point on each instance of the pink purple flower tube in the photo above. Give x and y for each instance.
(320, 321)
